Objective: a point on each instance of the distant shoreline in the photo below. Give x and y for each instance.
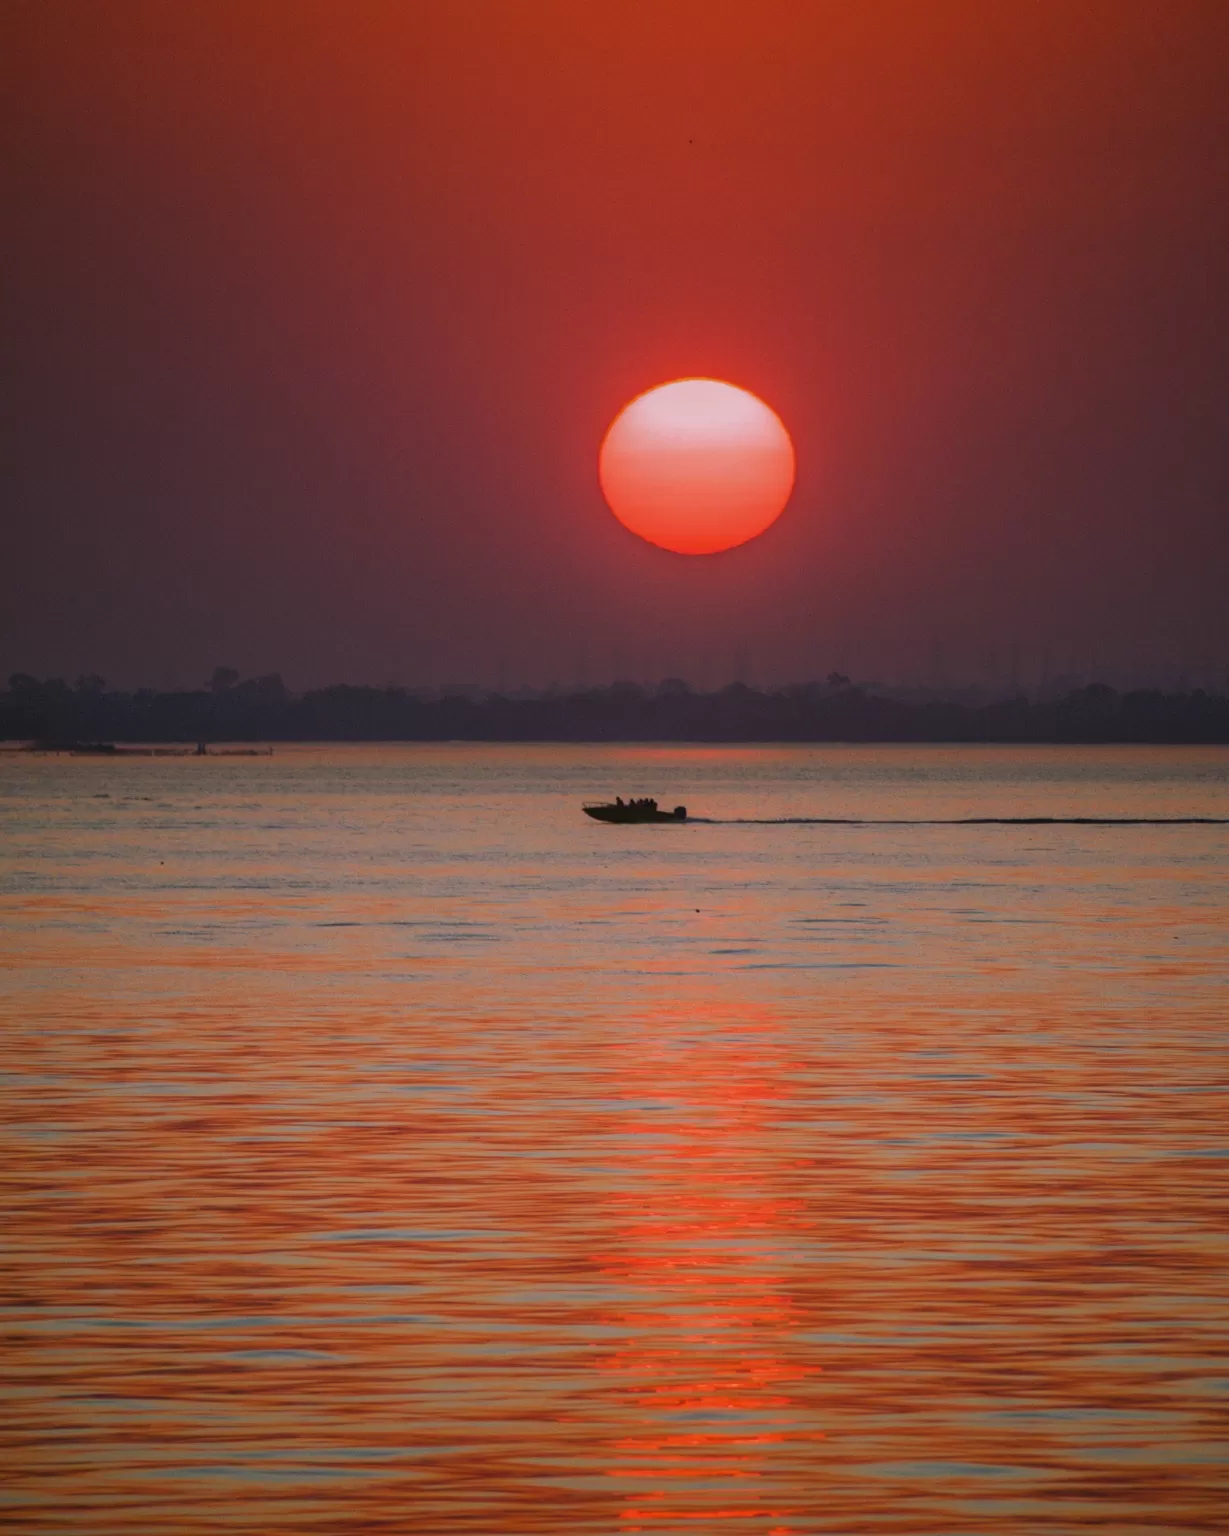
(91, 720)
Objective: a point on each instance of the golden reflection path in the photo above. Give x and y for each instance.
(707, 1365)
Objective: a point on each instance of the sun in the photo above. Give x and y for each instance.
(697, 466)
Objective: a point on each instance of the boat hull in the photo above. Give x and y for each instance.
(634, 813)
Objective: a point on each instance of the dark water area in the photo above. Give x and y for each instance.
(388, 1147)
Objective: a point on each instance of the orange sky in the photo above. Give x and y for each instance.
(321, 312)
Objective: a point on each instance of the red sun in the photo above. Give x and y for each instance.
(697, 466)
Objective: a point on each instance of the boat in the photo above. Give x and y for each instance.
(634, 810)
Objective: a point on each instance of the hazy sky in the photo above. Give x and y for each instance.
(317, 313)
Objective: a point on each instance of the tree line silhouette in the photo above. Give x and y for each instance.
(52, 713)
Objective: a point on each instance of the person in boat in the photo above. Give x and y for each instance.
(619, 801)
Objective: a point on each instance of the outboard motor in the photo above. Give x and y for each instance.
(680, 813)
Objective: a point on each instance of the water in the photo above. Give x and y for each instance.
(389, 1148)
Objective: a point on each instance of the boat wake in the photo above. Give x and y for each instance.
(963, 821)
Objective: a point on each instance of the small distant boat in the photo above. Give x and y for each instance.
(634, 810)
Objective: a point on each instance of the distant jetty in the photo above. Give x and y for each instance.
(115, 749)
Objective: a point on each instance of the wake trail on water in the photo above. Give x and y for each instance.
(963, 821)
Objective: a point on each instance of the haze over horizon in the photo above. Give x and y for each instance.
(318, 317)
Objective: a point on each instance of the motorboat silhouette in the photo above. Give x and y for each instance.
(632, 810)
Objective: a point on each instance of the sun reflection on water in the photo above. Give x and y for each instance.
(706, 1371)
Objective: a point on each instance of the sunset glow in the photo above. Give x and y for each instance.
(697, 466)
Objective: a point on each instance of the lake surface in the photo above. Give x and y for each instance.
(389, 1148)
